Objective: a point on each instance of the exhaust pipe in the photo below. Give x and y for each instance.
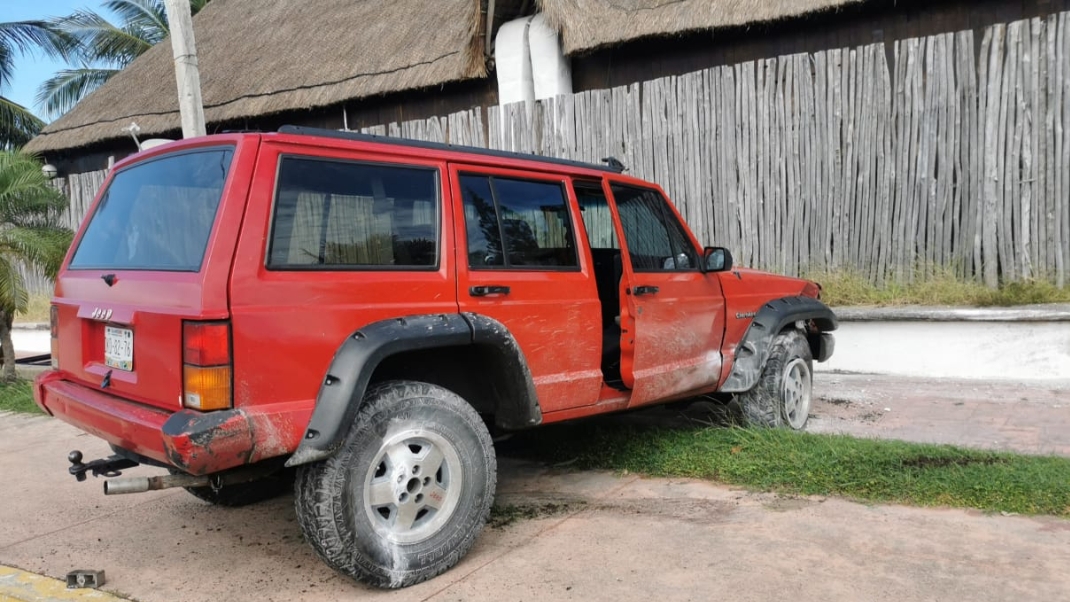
(141, 484)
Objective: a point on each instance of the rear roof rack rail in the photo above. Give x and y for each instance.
(475, 150)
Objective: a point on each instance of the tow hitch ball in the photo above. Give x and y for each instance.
(107, 467)
(112, 467)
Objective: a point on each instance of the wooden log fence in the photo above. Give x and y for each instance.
(951, 158)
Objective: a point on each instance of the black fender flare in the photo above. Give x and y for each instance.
(753, 350)
(342, 389)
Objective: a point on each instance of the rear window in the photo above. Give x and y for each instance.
(156, 215)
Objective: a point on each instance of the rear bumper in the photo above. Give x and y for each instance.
(199, 443)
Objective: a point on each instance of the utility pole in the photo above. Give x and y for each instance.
(187, 74)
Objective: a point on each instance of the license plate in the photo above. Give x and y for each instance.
(119, 348)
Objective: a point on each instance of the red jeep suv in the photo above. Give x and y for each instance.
(362, 310)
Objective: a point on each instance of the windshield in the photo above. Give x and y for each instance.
(156, 215)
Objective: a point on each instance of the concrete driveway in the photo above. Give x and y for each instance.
(583, 536)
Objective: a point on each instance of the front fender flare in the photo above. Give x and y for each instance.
(753, 350)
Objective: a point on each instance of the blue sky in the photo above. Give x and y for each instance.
(31, 70)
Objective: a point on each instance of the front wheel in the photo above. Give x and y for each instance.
(406, 496)
(783, 393)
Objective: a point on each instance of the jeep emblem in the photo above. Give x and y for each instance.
(101, 314)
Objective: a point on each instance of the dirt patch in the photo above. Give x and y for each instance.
(692, 510)
(837, 401)
(504, 514)
(871, 416)
(789, 503)
(513, 509)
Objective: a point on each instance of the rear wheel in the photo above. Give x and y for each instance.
(783, 393)
(406, 496)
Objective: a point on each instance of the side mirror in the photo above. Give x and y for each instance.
(717, 259)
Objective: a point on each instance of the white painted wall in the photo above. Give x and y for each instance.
(981, 350)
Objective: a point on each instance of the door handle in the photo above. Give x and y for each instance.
(645, 290)
(493, 289)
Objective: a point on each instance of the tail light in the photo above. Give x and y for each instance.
(207, 374)
(53, 322)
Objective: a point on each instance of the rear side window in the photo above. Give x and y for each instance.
(337, 215)
(156, 215)
(596, 216)
(513, 223)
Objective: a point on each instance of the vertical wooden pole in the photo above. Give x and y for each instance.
(187, 74)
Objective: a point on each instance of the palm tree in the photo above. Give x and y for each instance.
(17, 123)
(29, 236)
(101, 49)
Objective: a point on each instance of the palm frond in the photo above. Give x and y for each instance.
(17, 124)
(26, 36)
(59, 93)
(102, 41)
(144, 14)
(13, 294)
(26, 194)
(43, 247)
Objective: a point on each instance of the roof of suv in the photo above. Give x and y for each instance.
(613, 166)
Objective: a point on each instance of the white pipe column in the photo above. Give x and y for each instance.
(512, 60)
(550, 68)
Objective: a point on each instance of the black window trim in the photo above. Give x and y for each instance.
(169, 155)
(354, 268)
(666, 216)
(498, 215)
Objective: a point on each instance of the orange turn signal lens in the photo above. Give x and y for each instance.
(206, 388)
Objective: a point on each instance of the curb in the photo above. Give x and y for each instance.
(1054, 312)
(22, 586)
(30, 326)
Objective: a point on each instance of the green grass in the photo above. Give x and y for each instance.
(845, 288)
(808, 464)
(17, 397)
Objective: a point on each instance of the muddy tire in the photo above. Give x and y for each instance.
(244, 494)
(783, 393)
(406, 496)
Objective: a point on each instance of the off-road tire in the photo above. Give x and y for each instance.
(764, 405)
(352, 534)
(244, 494)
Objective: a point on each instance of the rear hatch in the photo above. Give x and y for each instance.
(154, 252)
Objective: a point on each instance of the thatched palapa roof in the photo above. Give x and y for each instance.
(590, 24)
(259, 57)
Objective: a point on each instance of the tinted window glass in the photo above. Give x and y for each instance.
(338, 215)
(531, 217)
(597, 219)
(156, 215)
(656, 241)
(481, 223)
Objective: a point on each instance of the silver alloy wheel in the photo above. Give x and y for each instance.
(413, 485)
(795, 391)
